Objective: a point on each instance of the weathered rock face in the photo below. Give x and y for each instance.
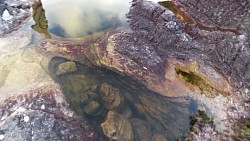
(182, 55)
(13, 13)
(42, 114)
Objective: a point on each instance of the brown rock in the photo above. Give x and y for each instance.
(110, 96)
(117, 127)
(91, 107)
(66, 67)
(159, 137)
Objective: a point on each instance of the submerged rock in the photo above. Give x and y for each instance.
(66, 68)
(159, 137)
(117, 128)
(110, 96)
(91, 107)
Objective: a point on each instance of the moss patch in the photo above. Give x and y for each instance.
(41, 25)
(190, 77)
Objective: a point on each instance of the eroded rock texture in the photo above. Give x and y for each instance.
(176, 53)
(13, 13)
(191, 62)
(42, 114)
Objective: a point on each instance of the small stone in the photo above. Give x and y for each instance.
(91, 107)
(117, 127)
(3, 118)
(43, 107)
(26, 118)
(246, 91)
(1, 137)
(110, 96)
(6, 15)
(21, 109)
(66, 67)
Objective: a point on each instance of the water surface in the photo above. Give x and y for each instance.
(77, 18)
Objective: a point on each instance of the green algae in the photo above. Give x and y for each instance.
(39, 17)
(246, 130)
(196, 80)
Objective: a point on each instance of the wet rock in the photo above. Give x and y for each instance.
(110, 96)
(142, 130)
(117, 128)
(66, 67)
(91, 107)
(159, 137)
(126, 111)
(42, 114)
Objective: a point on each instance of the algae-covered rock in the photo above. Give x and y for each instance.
(110, 96)
(41, 24)
(66, 67)
(91, 107)
(117, 128)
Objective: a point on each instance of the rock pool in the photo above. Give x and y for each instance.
(121, 70)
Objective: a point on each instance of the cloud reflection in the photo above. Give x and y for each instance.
(82, 17)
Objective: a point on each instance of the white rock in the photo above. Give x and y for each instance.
(6, 15)
(246, 91)
(1, 137)
(26, 118)
(3, 118)
(43, 107)
(21, 109)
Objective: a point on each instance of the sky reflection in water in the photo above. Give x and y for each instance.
(77, 18)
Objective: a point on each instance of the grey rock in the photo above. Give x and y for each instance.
(42, 114)
(13, 14)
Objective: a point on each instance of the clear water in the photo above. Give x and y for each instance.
(147, 112)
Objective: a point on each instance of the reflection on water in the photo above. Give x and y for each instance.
(117, 106)
(76, 18)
